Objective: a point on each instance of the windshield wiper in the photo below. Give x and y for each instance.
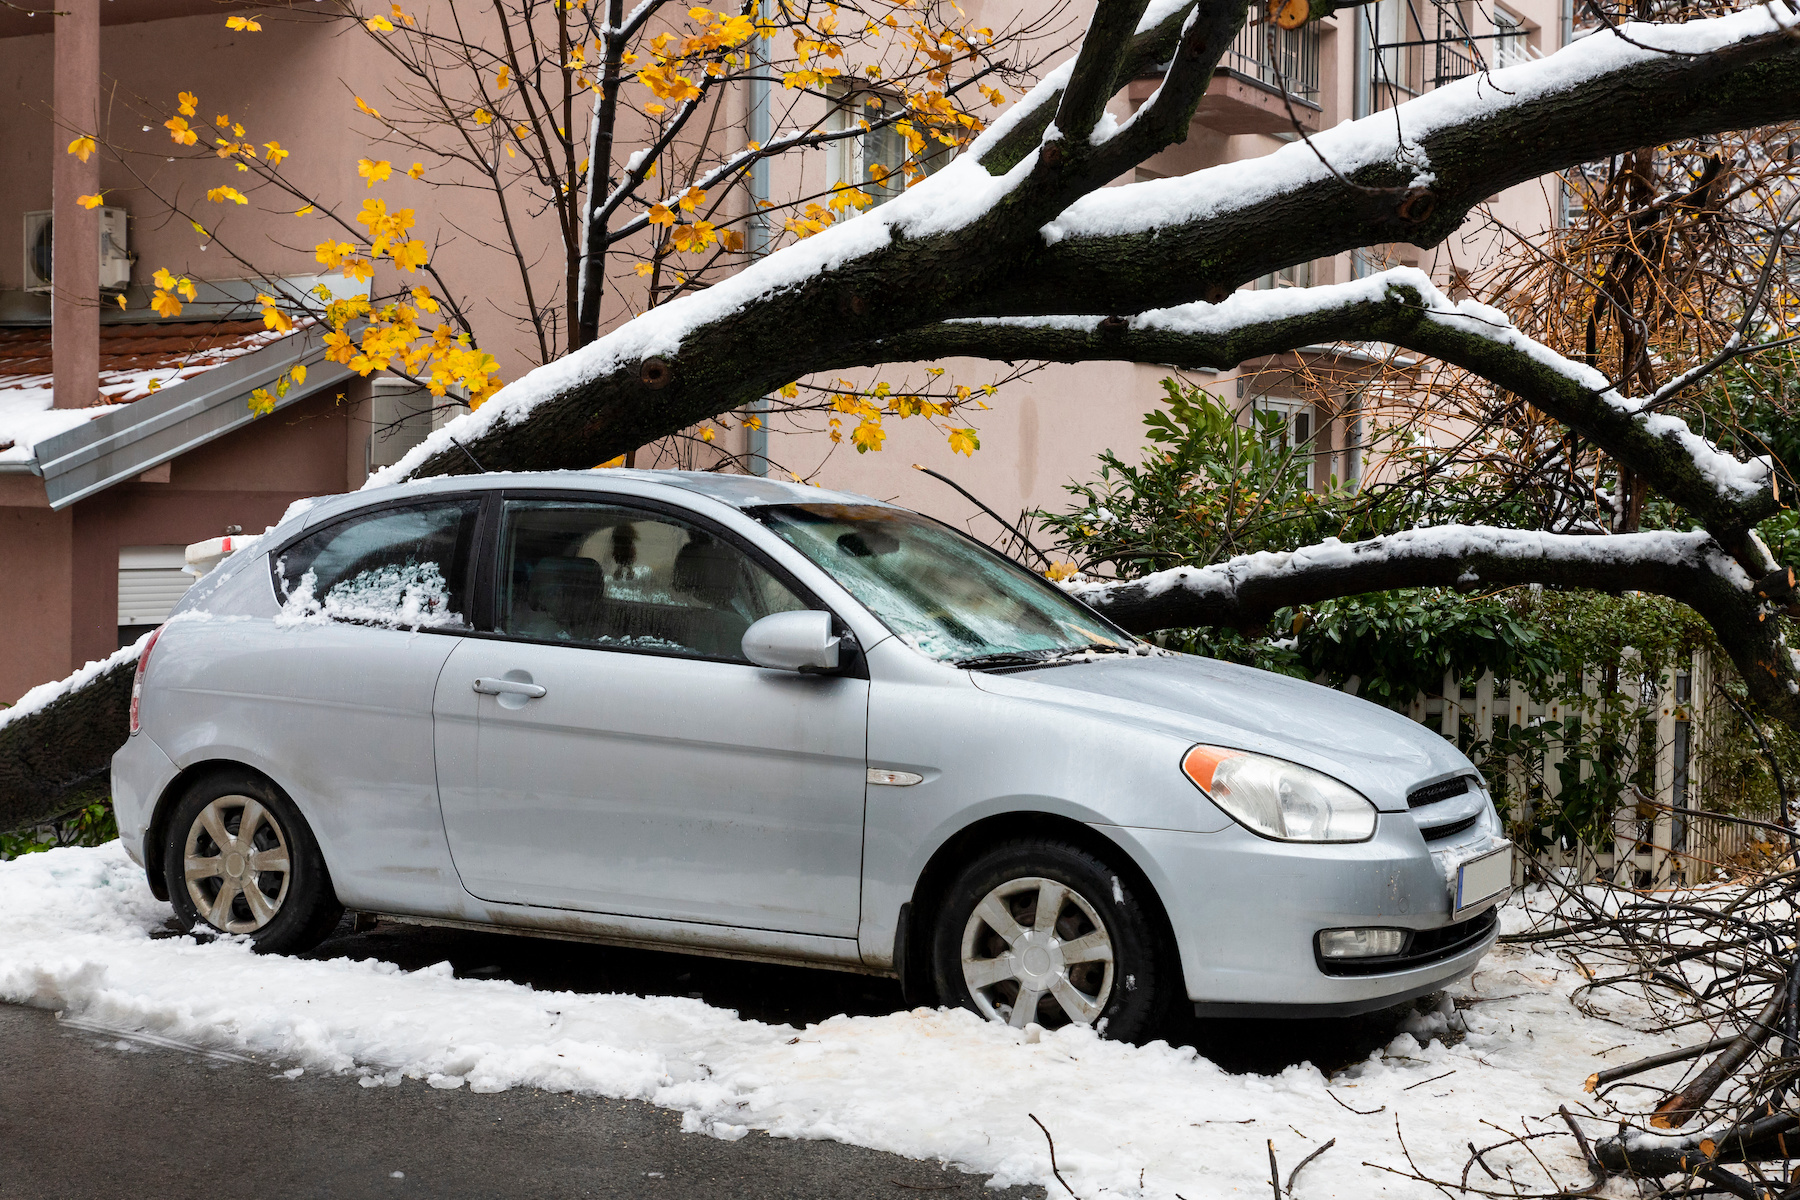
(1007, 658)
(1054, 656)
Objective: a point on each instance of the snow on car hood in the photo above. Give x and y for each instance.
(1377, 751)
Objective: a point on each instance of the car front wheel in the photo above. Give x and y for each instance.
(1040, 931)
(240, 859)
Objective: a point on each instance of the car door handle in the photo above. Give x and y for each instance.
(508, 687)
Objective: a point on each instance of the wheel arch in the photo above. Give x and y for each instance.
(913, 953)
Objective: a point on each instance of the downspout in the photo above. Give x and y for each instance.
(761, 233)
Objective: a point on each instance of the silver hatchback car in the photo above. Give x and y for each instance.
(730, 716)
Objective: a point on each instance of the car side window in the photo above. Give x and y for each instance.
(404, 567)
(624, 578)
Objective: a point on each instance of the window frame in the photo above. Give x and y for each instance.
(489, 543)
(466, 566)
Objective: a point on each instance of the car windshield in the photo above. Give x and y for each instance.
(945, 594)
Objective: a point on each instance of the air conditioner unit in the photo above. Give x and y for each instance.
(115, 255)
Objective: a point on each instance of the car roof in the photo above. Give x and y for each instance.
(738, 491)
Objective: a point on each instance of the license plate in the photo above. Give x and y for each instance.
(1483, 878)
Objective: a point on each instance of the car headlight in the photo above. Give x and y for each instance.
(1280, 799)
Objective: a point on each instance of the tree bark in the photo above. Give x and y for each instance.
(59, 758)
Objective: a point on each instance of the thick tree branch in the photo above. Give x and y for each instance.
(951, 247)
(1689, 567)
(1404, 308)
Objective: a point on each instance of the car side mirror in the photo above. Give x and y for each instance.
(793, 641)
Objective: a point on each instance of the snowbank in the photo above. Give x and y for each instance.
(74, 935)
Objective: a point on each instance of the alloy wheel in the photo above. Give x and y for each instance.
(1035, 950)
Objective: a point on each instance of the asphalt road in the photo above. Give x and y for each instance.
(90, 1113)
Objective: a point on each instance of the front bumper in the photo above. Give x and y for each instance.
(1246, 912)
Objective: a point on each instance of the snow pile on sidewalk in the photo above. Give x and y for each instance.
(1128, 1121)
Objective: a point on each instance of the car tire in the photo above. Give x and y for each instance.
(1102, 960)
(271, 886)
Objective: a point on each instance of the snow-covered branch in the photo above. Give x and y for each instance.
(966, 242)
(1690, 567)
(1403, 307)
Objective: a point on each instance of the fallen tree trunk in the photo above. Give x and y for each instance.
(57, 742)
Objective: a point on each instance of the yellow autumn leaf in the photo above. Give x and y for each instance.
(410, 256)
(367, 108)
(301, 212)
(611, 462)
(165, 305)
(867, 436)
(374, 172)
(219, 195)
(661, 214)
(643, 269)
(261, 402)
(188, 102)
(691, 198)
(179, 132)
(222, 120)
(82, 147)
(379, 24)
(483, 116)
(707, 434)
(416, 170)
(298, 371)
(275, 153)
(94, 201)
(422, 297)
(244, 24)
(186, 287)
(967, 442)
(400, 16)
(503, 78)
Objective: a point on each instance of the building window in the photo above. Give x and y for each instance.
(875, 161)
(1298, 275)
(1509, 40)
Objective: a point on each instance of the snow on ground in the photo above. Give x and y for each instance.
(74, 935)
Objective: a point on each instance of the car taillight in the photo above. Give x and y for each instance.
(137, 679)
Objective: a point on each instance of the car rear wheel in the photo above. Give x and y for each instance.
(1043, 931)
(240, 859)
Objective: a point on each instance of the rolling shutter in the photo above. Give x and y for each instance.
(151, 581)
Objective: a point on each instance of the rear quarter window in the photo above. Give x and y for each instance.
(405, 567)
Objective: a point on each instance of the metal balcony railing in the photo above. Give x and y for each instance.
(1278, 58)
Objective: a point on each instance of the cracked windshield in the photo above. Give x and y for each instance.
(945, 594)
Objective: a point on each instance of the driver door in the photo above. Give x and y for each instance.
(607, 747)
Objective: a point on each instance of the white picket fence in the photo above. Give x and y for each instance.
(1662, 833)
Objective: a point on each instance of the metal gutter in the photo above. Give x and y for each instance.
(121, 445)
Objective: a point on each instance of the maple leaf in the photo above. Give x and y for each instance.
(275, 153)
(188, 102)
(483, 116)
(367, 108)
(374, 172)
(244, 24)
(301, 212)
(966, 442)
(661, 214)
(410, 256)
(503, 78)
(379, 24)
(82, 147)
(179, 132)
(417, 170)
(165, 304)
(94, 201)
(219, 195)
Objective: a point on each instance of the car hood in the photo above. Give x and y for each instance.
(1375, 750)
